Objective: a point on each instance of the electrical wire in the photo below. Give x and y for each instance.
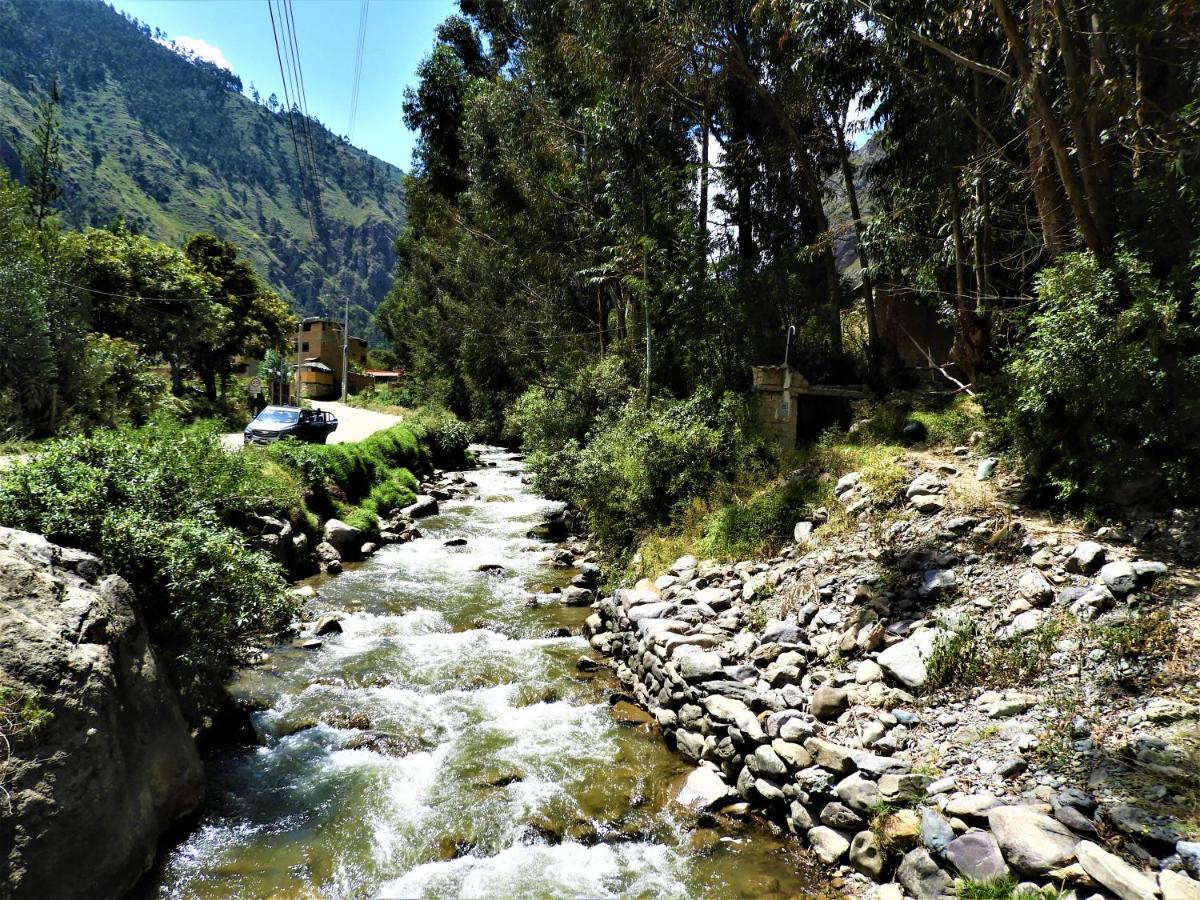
(358, 64)
(291, 124)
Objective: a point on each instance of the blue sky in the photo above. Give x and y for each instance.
(238, 33)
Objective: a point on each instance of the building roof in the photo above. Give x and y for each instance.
(382, 373)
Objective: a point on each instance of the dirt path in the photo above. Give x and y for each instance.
(353, 424)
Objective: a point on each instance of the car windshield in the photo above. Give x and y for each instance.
(277, 416)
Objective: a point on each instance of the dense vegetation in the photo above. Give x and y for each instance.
(171, 145)
(618, 207)
(168, 508)
(87, 316)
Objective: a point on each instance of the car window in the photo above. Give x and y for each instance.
(278, 416)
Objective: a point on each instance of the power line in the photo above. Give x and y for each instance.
(298, 79)
(291, 125)
(358, 63)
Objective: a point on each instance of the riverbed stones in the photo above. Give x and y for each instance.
(1119, 577)
(1114, 873)
(906, 660)
(327, 625)
(831, 756)
(977, 856)
(423, 506)
(828, 702)
(573, 595)
(766, 761)
(866, 855)
(1175, 886)
(704, 789)
(827, 845)
(921, 876)
(858, 793)
(1086, 558)
(1032, 842)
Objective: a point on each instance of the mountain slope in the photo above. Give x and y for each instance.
(172, 145)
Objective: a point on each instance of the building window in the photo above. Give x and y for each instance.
(304, 347)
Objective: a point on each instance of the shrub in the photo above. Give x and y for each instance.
(159, 505)
(446, 435)
(760, 525)
(1105, 389)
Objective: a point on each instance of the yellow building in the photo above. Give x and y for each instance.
(317, 346)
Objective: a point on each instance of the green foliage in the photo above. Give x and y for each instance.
(446, 435)
(23, 714)
(744, 530)
(160, 504)
(641, 466)
(992, 889)
(1105, 389)
(965, 657)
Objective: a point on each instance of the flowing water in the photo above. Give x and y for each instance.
(443, 746)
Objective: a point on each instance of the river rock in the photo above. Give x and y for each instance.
(89, 793)
(698, 665)
(781, 632)
(573, 595)
(766, 761)
(827, 845)
(921, 876)
(328, 557)
(1119, 577)
(1114, 873)
(831, 756)
(905, 661)
(346, 538)
(1034, 588)
(936, 832)
(327, 625)
(1189, 852)
(792, 754)
(1175, 886)
(1032, 842)
(423, 506)
(858, 793)
(704, 789)
(838, 815)
(977, 856)
(1086, 558)
(866, 855)
(827, 702)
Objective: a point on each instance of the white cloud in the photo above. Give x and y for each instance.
(202, 49)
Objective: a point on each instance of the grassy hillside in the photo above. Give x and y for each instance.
(173, 146)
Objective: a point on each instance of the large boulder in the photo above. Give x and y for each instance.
(111, 765)
(906, 660)
(1032, 842)
(346, 539)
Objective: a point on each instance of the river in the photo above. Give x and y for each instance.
(444, 746)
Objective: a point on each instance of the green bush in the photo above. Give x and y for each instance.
(160, 505)
(742, 530)
(446, 435)
(639, 466)
(1104, 392)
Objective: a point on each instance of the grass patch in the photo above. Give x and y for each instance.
(967, 658)
(947, 423)
(23, 713)
(992, 889)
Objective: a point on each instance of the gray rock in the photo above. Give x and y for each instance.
(1147, 570)
(87, 796)
(866, 855)
(1032, 842)
(928, 503)
(689, 744)
(766, 761)
(346, 539)
(1086, 558)
(658, 610)
(780, 632)
(327, 625)
(1114, 873)
(827, 845)
(1090, 602)
(936, 832)
(698, 665)
(858, 793)
(903, 787)
(769, 790)
(704, 789)
(1074, 819)
(986, 469)
(925, 483)
(793, 754)
(1119, 577)
(576, 596)
(328, 557)
(1034, 588)
(921, 877)
(815, 780)
(905, 661)
(831, 756)
(423, 506)
(800, 817)
(827, 702)
(803, 532)
(936, 582)
(847, 481)
(977, 856)
(838, 815)
(1189, 852)
(876, 765)
(971, 806)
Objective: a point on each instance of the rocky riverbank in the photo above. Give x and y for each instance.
(950, 691)
(96, 760)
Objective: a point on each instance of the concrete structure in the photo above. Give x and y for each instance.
(789, 409)
(317, 350)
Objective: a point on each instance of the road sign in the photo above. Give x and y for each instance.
(256, 386)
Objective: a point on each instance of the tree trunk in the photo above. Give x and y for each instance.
(1068, 177)
(860, 247)
(1046, 194)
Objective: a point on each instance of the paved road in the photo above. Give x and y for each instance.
(353, 424)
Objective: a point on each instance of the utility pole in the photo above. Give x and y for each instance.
(346, 351)
(299, 357)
